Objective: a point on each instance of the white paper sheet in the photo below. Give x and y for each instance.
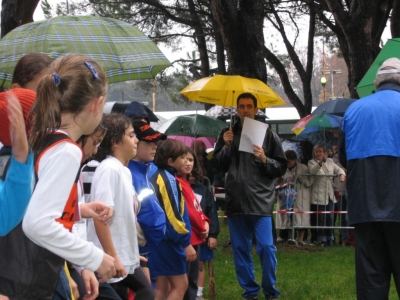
(253, 132)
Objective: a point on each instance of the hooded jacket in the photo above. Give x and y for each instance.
(249, 184)
(369, 148)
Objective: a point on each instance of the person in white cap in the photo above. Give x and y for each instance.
(369, 148)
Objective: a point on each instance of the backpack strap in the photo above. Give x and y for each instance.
(70, 210)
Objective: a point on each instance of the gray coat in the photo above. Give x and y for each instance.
(249, 184)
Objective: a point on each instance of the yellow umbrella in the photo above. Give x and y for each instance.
(224, 89)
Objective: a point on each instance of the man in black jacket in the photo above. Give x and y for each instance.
(250, 197)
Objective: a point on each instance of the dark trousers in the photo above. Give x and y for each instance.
(192, 270)
(138, 283)
(325, 220)
(377, 258)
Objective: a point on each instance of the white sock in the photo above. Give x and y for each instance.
(200, 291)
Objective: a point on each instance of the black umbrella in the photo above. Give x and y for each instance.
(335, 107)
(132, 110)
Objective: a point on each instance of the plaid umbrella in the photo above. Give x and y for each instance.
(121, 49)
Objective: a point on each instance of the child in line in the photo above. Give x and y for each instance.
(209, 207)
(112, 185)
(151, 217)
(168, 261)
(69, 104)
(198, 221)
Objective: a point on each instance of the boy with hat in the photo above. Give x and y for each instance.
(151, 216)
(141, 167)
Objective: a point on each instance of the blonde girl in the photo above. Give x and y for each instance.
(69, 104)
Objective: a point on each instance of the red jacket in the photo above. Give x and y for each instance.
(196, 215)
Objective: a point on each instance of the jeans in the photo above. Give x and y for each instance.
(242, 229)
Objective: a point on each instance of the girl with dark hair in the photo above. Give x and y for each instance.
(112, 185)
(29, 70)
(198, 220)
(170, 273)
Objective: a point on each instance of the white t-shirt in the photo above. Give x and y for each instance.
(112, 185)
(58, 168)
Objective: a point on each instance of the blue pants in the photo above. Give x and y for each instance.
(242, 228)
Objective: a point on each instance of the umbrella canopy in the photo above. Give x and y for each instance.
(224, 89)
(326, 139)
(193, 125)
(121, 49)
(334, 107)
(366, 86)
(312, 123)
(132, 109)
(188, 140)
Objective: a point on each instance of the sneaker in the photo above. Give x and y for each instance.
(199, 298)
(271, 297)
(280, 240)
(303, 243)
(252, 297)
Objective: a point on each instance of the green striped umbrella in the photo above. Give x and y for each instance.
(121, 49)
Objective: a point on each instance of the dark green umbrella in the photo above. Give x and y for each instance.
(121, 49)
(391, 49)
(193, 125)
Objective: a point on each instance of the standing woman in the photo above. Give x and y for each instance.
(69, 104)
(303, 186)
(323, 197)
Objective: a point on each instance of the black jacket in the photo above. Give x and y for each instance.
(249, 185)
(208, 206)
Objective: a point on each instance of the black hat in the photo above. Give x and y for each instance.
(147, 134)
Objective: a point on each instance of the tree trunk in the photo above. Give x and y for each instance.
(242, 32)
(15, 13)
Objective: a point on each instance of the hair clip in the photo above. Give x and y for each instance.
(56, 79)
(92, 70)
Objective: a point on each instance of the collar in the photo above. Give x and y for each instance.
(389, 86)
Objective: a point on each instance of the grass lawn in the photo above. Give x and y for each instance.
(303, 272)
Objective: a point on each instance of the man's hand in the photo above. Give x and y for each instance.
(97, 210)
(3, 297)
(212, 243)
(191, 254)
(91, 285)
(107, 268)
(18, 137)
(342, 177)
(259, 153)
(228, 138)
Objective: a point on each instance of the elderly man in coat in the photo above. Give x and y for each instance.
(370, 150)
(250, 198)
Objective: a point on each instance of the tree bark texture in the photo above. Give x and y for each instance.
(15, 13)
(241, 27)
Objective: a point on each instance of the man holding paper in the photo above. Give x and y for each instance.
(253, 157)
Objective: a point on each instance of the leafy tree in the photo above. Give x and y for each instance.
(358, 26)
